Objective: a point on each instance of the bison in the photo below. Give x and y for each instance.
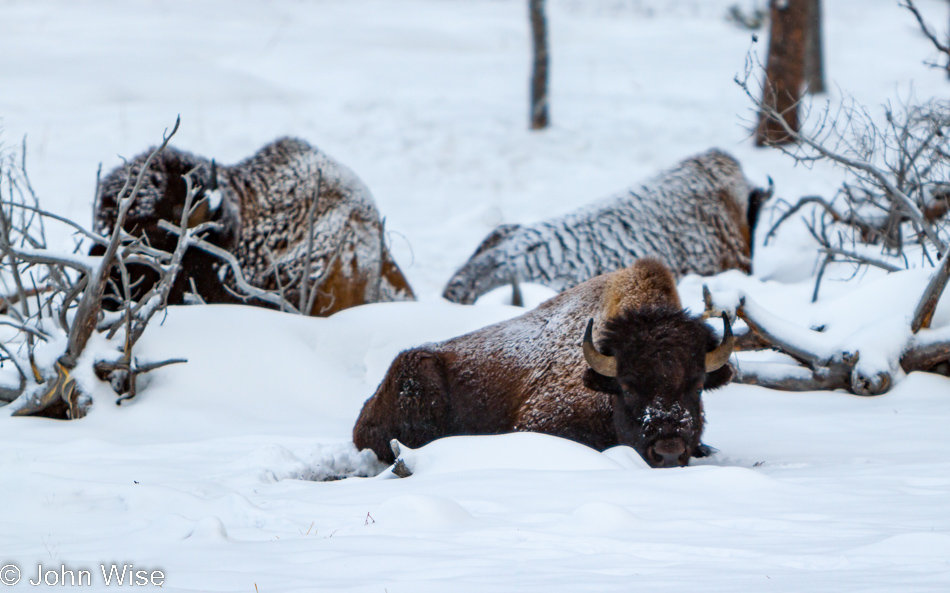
(698, 217)
(264, 207)
(638, 383)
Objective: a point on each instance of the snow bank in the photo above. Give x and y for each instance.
(521, 451)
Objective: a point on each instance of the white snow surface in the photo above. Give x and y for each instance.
(520, 451)
(215, 473)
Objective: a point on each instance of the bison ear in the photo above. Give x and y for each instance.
(716, 379)
(201, 213)
(227, 213)
(212, 197)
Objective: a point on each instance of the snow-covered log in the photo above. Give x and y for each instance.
(287, 213)
(696, 218)
(866, 354)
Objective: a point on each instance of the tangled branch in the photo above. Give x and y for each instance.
(54, 300)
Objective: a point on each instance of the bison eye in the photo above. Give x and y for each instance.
(628, 390)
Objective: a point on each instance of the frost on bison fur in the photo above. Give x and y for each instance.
(639, 386)
(695, 218)
(263, 205)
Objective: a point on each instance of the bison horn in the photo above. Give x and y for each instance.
(601, 363)
(214, 176)
(720, 356)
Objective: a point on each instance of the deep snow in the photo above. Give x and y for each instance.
(210, 475)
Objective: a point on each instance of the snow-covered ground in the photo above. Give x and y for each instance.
(211, 475)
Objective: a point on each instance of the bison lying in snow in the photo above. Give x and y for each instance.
(696, 218)
(263, 206)
(640, 386)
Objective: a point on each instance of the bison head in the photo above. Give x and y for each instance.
(161, 196)
(656, 361)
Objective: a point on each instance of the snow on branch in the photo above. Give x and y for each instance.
(862, 356)
(896, 194)
(898, 171)
(53, 301)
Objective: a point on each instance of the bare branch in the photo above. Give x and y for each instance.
(796, 351)
(801, 204)
(787, 377)
(308, 257)
(829, 257)
(194, 295)
(16, 362)
(26, 328)
(924, 312)
(96, 238)
(235, 268)
(862, 141)
(84, 322)
(281, 292)
(941, 47)
(861, 259)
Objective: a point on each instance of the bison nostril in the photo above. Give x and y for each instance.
(667, 452)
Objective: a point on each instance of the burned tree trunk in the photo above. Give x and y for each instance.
(539, 73)
(814, 62)
(784, 70)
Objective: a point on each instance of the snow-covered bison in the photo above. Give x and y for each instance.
(696, 218)
(264, 206)
(639, 386)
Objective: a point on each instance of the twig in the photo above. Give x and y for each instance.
(829, 257)
(96, 238)
(249, 290)
(84, 322)
(281, 292)
(308, 257)
(802, 203)
(909, 5)
(194, 292)
(924, 312)
(327, 270)
(861, 259)
(26, 328)
(16, 362)
(858, 165)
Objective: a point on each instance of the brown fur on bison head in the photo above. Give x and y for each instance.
(655, 362)
(161, 196)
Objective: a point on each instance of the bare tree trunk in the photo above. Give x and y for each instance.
(784, 70)
(814, 61)
(539, 74)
